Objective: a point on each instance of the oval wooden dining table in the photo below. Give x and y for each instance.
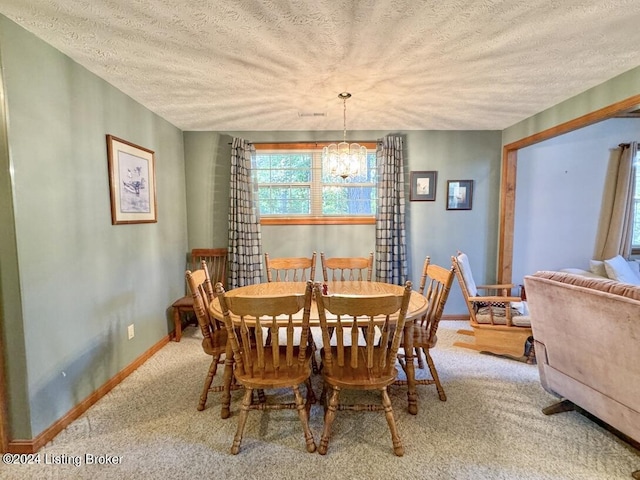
(417, 308)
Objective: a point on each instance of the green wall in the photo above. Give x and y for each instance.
(431, 229)
(71, 281)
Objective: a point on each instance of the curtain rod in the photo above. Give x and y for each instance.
(315, 142)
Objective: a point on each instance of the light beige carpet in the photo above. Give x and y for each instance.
(491, 427)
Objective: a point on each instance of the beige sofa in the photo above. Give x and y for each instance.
(587, 342)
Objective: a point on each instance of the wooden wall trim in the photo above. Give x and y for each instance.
(508, 181)
(507, 215)
(590, 118)
(318, 221)
(35, 444)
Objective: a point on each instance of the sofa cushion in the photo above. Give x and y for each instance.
(585, 273)
(618, 269)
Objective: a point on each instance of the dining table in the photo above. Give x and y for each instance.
(417, 308)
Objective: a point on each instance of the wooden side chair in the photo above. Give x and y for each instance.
(263, 366)
(290, 269)
(437, 281)
(498, 319)
(347, 268)
(350, 366)
(293, 269)
(214, 341)
(216, 259)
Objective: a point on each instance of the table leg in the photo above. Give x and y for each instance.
(410, 370)
(225, 411)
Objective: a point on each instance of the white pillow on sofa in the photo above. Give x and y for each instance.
(597, 267)
(618, 269)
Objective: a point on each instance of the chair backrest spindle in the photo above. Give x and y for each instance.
(346, 268)
(271, 313)
(387, 312)
(290, 269)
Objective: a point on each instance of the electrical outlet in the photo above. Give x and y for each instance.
(131, 331)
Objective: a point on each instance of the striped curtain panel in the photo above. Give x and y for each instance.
(245, 246)
(391, 245)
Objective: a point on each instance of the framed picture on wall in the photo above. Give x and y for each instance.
(459, 194)
(132, 182)
(423, 186)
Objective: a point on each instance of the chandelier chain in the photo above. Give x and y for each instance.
(344, 119)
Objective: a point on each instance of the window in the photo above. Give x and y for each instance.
(291, 185)
(635, 239)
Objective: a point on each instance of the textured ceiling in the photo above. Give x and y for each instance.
(228, 65)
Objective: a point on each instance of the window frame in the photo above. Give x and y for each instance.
(313, 219)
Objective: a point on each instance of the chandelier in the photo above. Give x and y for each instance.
(344, 160)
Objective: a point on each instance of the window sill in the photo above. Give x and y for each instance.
(317, 220)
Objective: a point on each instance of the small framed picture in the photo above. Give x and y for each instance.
(132, 181)
(459, 194)
(423, 186)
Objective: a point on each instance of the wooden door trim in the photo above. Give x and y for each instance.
(509, 169)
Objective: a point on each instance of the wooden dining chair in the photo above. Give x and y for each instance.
(352, 366)
(290, 269)
(267, 366)
(347, 268)
(216, 259)
(293, 269)
(214, 335)
(437, 281)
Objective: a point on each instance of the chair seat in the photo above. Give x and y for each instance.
(216, 343)
(421, 337)
(271, 378)
(184, 302)
(365, 378)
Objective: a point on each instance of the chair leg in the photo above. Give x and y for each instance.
(314, 362)
(329, 417)
(304, 419)
(311, 395)
(559, 407)
(228, 379)
(261, 396)
(207, 382)
(434, 375)
(323, 397)
(177, 323)
(242, 420)
(419, 357)
(398, 449)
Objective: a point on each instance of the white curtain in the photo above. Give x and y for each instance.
(616, 218)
